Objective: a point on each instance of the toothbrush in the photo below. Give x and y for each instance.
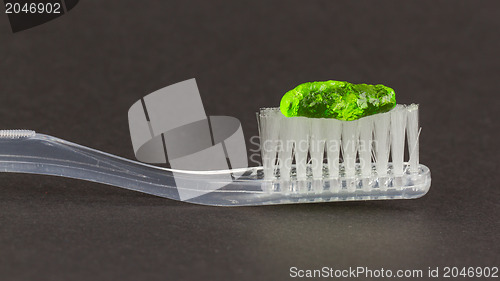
(287, 176)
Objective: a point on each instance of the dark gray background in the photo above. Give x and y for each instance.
(75, 78)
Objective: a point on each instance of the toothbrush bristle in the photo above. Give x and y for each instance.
(269, 126)
(381, 137)
(333, 134)
(413, 132)
(349, 147)
(365, 128)
(398, 126)
(296, 148)
(317, 146)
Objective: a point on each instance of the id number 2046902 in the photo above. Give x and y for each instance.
(32, 8)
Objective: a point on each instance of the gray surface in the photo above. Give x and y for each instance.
(77, 76)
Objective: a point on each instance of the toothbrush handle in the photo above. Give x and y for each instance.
(47, 155)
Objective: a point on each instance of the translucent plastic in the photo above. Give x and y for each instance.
(27, 152)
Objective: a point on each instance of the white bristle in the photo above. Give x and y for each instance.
(381, 125)
(398, 128)
(333, 144)
(285, 154)
(413, 134)
(317, 146)
(365, 145)
(301, 147)
(370, 139)
(269, 125)
(349, 147)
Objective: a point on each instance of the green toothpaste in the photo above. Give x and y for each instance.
(337, 99)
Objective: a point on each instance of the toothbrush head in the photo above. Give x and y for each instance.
(333, 156)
